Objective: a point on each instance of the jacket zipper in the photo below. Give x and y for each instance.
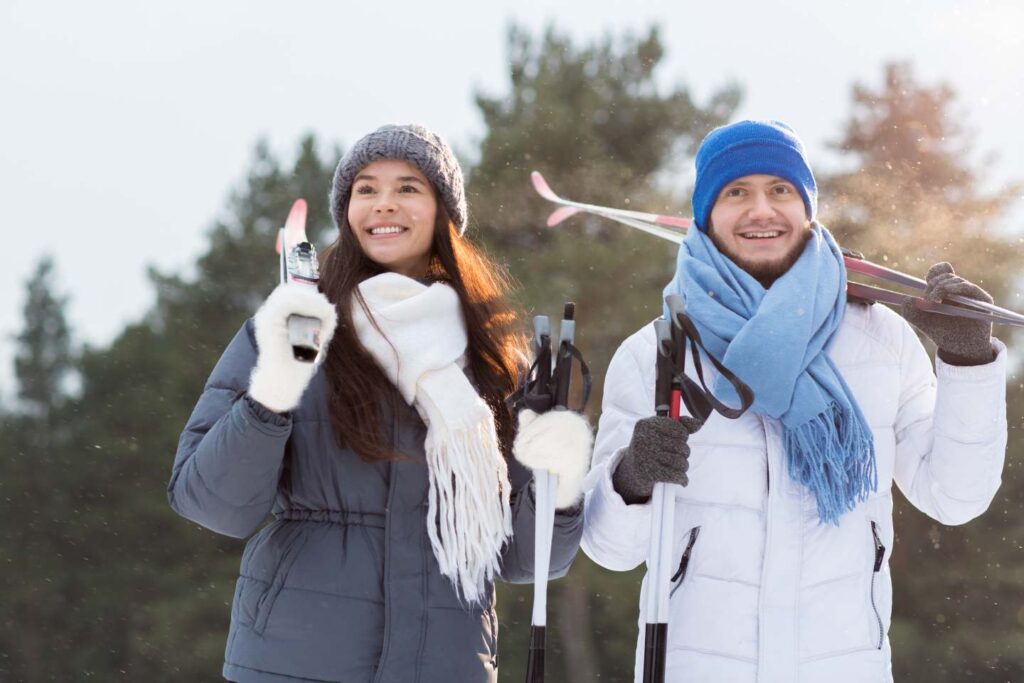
(879, 556)
(768, 522)
(684, 562)
(382, 661)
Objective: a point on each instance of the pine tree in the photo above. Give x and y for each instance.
(44, 358)
(913, 199)
(101, 578)
(33, 436)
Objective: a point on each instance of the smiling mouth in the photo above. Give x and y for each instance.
(761, 235)
(386, 230)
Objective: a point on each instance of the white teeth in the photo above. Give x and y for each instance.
(762, 235)
(386, 230)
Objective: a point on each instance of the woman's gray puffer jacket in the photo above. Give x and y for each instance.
(342, 585)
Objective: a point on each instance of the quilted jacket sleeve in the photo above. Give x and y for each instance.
(617, 535)
(950, 433)
(230, 454)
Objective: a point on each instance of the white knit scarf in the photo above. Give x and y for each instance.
(421, 346)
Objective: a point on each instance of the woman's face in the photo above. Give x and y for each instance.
(392, 212)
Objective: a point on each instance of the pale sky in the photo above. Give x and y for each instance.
(125, 125)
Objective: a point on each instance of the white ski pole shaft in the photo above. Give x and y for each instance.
(545, 486)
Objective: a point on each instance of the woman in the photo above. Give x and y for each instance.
(385, 461)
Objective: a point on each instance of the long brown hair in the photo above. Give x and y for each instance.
(495, 353)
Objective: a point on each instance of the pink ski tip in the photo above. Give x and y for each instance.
(294, 230)
(674, 221)
(559, 215)
(297, 216)
(542, 187)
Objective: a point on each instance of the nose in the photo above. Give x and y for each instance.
(384, 203)
(761, 208)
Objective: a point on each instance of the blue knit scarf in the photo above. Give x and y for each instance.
(775, 341)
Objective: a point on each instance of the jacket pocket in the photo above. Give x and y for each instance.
(876, 570)
(684, 561)
(266, 601)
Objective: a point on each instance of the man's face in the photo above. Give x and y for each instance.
(759, 221)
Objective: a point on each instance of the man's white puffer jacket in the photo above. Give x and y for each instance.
(766, 593)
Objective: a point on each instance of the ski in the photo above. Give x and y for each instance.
(544, 190)
(673, 229)
(299, 265)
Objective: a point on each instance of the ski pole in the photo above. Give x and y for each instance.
(543, 388)
(672, 388)
(299, 264)
(543, 497)
(662, 518)
(546, 483)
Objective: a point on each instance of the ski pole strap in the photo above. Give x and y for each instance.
(537, 393)
(706, 397)
(534, 392)
(697, 400)
(584, 373)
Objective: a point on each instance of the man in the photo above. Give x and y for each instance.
(784, 524)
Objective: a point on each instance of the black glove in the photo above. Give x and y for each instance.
(961, 341)
(658, 452)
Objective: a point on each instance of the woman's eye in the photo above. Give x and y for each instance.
(409, 188)
(364, 189)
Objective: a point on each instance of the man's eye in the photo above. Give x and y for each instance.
(782, 189)
(734, 192)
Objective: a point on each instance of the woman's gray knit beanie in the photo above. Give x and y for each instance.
(414, 144)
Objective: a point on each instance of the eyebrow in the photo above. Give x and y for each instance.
(402, 179)
(746, 183)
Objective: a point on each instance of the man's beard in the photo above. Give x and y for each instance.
(765, 272)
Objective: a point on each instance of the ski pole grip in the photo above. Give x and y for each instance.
(304, 336)
(541, 329)
(542, 349)
(676, 307)
(563, 361)
(663, 381)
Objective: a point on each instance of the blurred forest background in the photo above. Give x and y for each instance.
(102, 581)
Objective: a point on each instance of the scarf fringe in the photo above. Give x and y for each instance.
(467, 524)
(417, 335)
(833, 455)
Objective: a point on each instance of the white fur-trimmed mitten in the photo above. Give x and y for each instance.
(559, 441)
(278, 380)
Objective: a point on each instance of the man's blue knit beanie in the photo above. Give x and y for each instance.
(748, 148)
